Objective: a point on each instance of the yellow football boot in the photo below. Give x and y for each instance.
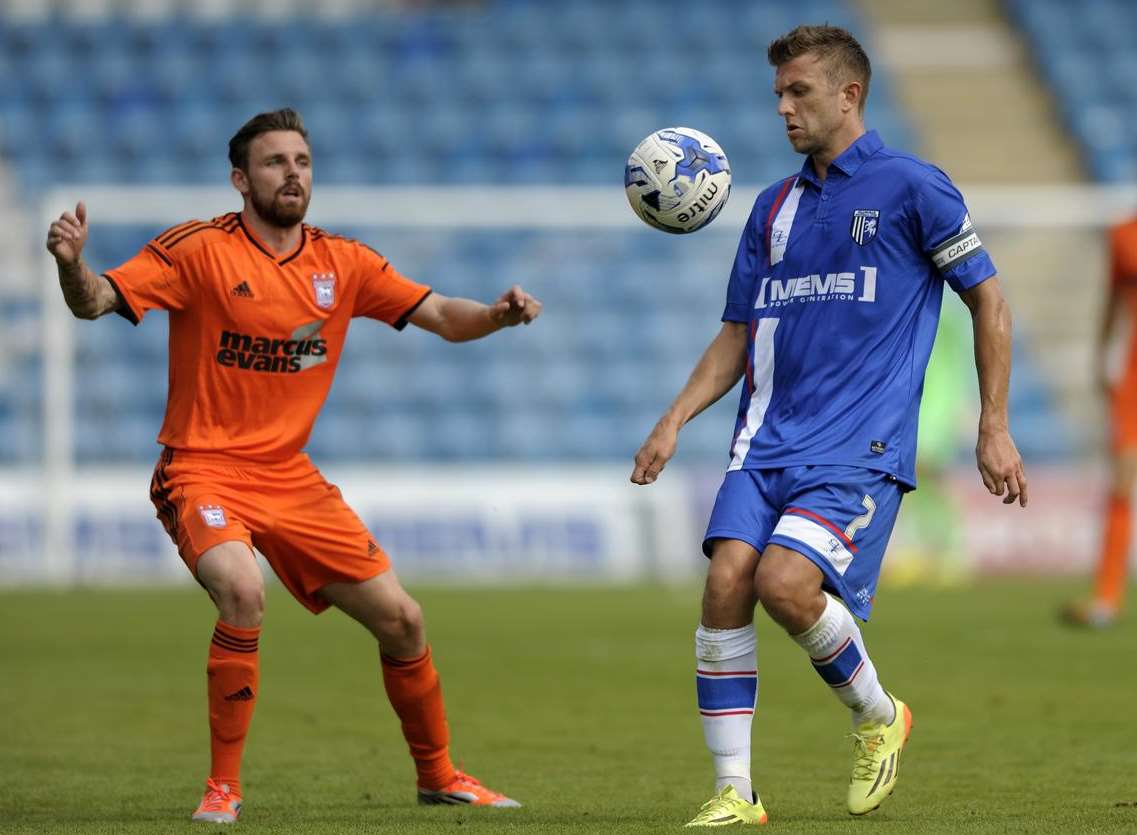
(876, 759)
(726, 808)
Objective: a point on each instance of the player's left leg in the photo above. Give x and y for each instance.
(813, 546)
(383, 606)
(324, 555)
(789, 587)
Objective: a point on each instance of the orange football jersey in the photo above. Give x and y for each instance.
(255, 337)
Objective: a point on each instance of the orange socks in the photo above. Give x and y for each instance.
(416, 695)
(234, 677)
(1113, 566)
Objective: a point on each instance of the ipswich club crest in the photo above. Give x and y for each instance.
(325, 286)
(865, 222)
(212, 514)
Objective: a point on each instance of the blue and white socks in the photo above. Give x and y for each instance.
(726, 677)
(838, 654)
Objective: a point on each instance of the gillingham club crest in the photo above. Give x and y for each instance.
(325, 286)
(865, 222)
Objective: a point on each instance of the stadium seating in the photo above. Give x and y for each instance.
(1085, 51)
(459, 95)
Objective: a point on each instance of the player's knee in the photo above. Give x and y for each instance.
(401, 627)
(410, 620)
(241, 600)
(728, 597)
(782, 594)
(729, 585)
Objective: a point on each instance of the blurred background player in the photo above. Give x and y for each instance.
(824, 443)
(930, 542)
(1117, 381)
(259, 307)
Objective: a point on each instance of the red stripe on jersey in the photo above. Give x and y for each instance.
(778, 201)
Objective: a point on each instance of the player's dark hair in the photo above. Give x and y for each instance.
(284, 119)
(845, 59)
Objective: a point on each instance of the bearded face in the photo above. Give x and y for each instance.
(278, 179)
(283, 207)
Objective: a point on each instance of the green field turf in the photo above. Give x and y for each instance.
(579, 702)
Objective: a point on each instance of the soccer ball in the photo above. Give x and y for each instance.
(677, 180)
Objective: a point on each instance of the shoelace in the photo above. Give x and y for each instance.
(864, 750)
(717, 799)
(216, 798)
(463, 777)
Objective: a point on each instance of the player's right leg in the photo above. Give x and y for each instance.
(230, 574)
(726, 662)
(207, 509)
(1111, 576)
(726, 679)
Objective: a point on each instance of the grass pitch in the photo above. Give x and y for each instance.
(578, 702)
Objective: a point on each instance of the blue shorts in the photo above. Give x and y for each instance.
(838, 517)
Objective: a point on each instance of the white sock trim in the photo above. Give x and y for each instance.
(717, 645)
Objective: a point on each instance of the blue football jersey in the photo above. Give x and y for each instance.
(840, 282)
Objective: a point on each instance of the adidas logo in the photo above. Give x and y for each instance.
(371, 547)
(242, 290)
(245, 694)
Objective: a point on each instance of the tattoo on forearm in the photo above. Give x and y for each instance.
(78, 290)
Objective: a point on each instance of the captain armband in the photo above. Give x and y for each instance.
(957, 249)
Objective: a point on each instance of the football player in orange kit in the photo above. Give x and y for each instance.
(259, 305)
(1117, 377)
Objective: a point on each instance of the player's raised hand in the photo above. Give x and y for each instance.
(655, 452)
(515, 307)
(1001, 466)
(67, 236)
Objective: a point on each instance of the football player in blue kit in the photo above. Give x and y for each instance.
(830, 315)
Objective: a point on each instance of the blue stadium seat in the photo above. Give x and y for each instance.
(20, 440)
(1089, 60)
(395, 435)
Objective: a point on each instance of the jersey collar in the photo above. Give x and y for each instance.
(850, 159)
(259, 244)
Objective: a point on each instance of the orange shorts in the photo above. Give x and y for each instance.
(287, 511)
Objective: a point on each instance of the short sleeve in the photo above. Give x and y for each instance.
(947, 235)
(748, 261)
(384, 293)
(146, 282)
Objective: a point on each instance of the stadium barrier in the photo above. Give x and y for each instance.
(490, 524)
(513, 524)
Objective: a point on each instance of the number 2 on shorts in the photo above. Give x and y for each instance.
(864, 519)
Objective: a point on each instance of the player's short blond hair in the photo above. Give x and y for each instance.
(845, 59)
(283, 119)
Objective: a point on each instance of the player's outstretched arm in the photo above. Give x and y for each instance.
(1000, 464)
(715, 374)
(460, 320)
(88, 295)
